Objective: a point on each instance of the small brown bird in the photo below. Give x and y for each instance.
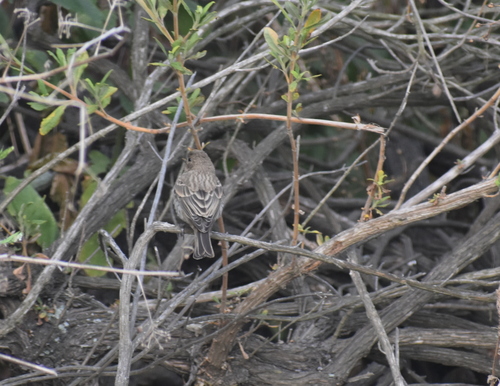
(198, 200)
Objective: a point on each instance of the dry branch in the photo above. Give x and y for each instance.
(414, 73)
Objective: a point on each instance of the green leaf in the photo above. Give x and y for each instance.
(91, 252)
(283, 11)
(380, 203)
(287, 41)
(198, 55)
(101, 92)
(6, 152)
(205, 17)
(179, 67)
(52, 120)
(207, 7)
(78, 71)
(187, 9)
(313, 19)
(194, 95)
(61, 59)
(104, 93)
(89, 85)
(298, 109)
(196, 99)
(91, 106)
(105, 78)
(292, 9)
(162, 12)
(176, 46)
(43, 88)
(158, 64)
(162, 48)
(55, 57)
(36, 105)
(99, 162)
(32, 213)
(5, 24)
(13, 238)
(167, 4)
(37, 60)
(199, 17)
(272, 40)
(191, 42)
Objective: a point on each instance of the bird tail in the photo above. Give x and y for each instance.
(202, 245)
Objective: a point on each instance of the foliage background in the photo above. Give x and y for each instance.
(425, 73)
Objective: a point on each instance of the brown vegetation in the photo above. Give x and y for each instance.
(357, 144)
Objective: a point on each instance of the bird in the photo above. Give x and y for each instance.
(198, 200)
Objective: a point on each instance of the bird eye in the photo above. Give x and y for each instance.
(189, 159)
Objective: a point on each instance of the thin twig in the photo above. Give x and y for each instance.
(30, 365)
(374, 318)
(443, 143)
(65, 264)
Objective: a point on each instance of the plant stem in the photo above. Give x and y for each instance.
(293, 146)
(180, 77)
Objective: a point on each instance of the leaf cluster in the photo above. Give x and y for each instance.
(286, 49)
(182, 46)
(100, 92)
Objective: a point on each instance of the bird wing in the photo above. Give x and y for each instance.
(202, 207)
